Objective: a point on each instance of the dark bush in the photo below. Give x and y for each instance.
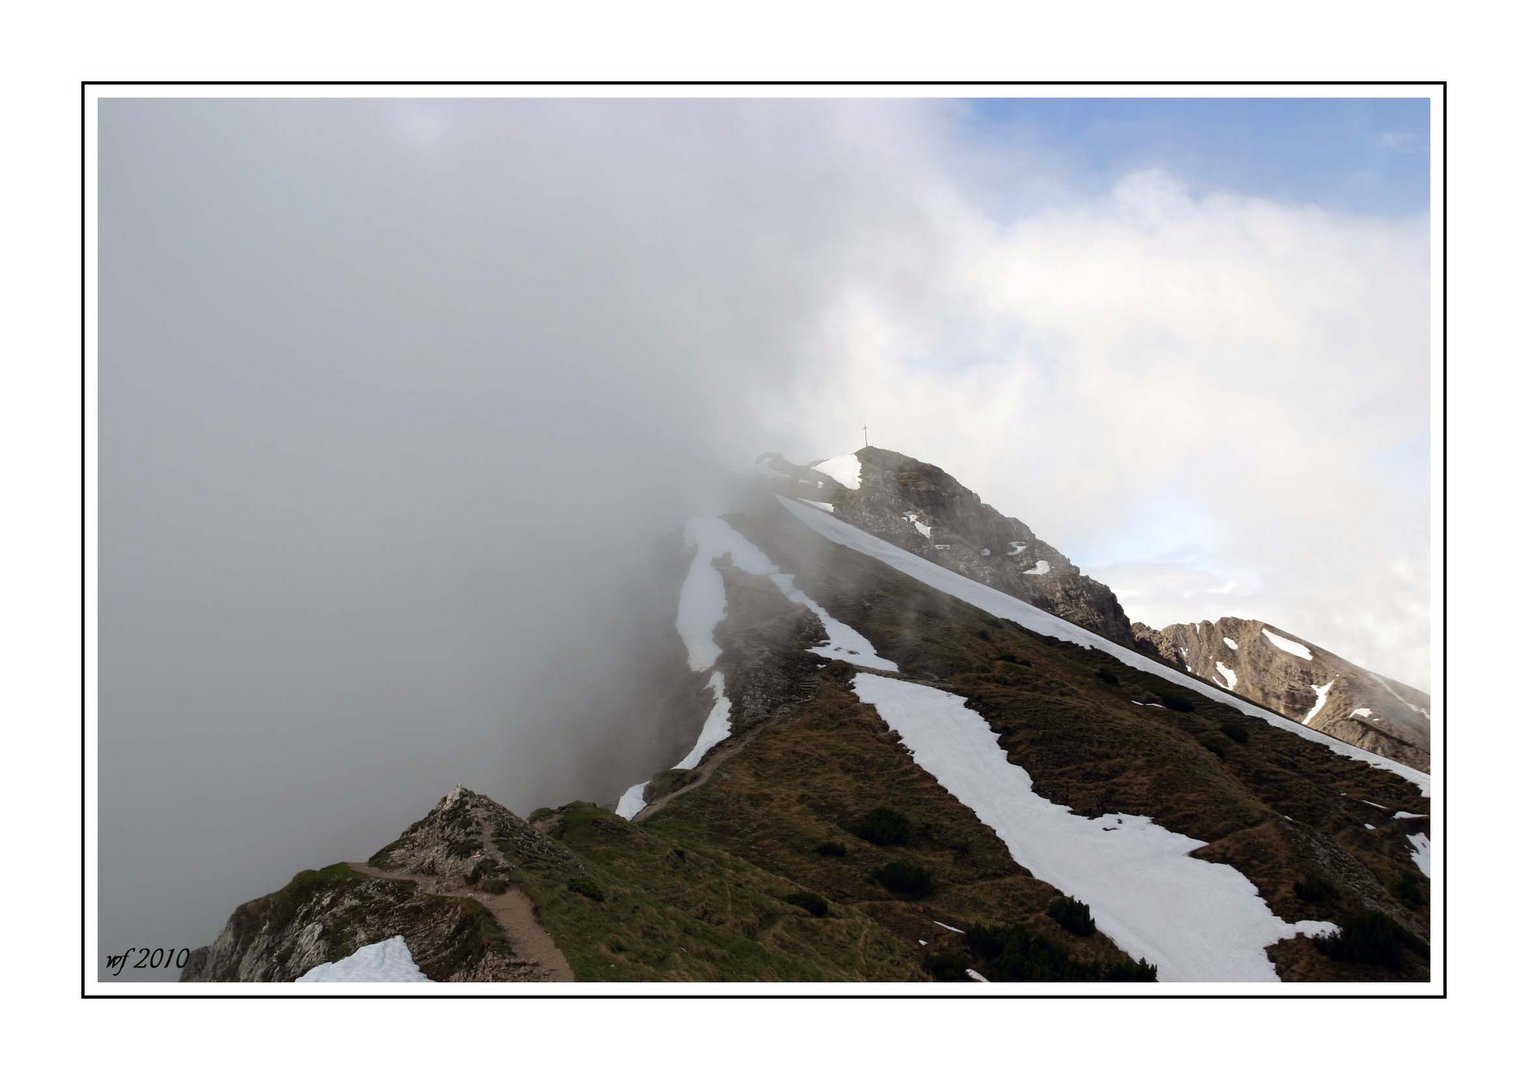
(1237, 733)
(1107, 677)
(494, 886)
(1313, 890)
(1408, 888)
(883, 826)
(832, 848)
(586, 887)
(947, 967)
(1072, 915)
(814, 905)
(1371, 938)
(1013, 954)
(1176, 702)
(908, 879)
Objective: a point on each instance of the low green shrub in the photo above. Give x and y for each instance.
(814, 905)
(587, 887)
(1177, 702)
(1072, 915)
(1409, 889)
(883, 827)
(947, 967)
(908, 879)
(1014, 954)
(1313, 890)
(1370, 938)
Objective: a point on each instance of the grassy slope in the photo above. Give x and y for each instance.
(1066, 715)
(699, 890)
(672, 911)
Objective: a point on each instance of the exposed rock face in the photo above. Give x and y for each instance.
(453, 839)
(924, 509)
(1355, 705)
(325, 915)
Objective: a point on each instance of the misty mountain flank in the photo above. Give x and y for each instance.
(892, 735)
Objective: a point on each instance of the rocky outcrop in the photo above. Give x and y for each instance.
(924, 509)
(422, 886)
(1303, 682)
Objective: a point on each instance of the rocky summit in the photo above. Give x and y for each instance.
(1300, 680)
(924, 509)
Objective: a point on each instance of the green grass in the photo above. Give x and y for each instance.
(675, 912)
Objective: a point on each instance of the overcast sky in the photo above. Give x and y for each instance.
(1187, 342)
(397, 396)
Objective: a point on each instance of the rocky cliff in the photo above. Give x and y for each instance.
(925, 510)
(443, 886)
(1302, 681)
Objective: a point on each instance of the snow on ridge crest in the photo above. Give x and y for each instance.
(1294, 648)
(1009, 607)
(845, 469)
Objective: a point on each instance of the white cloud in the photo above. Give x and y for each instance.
(1180, 391)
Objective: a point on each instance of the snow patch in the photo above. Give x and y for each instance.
(703, 596)
(1422, 855)
(926, 530)
(1321, 692)
(632, 801)
(1227, 674)
(1294, 648)
(717, 727)
(1040, 567)
(385, 961)
(703, 606)
(1043, 622)
(947, 926)
(845, 469)
(820, 505)
(844, 642)
(1197, 921)
(1016, 548)
(1403, 815)
(975, 975)
(1229, 644)
(1148, 704)
(1361, 712)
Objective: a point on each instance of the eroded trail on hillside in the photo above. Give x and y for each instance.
(512, 910)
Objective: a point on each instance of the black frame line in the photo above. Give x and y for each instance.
(1442, 202)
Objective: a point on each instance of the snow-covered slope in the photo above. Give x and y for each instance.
(1197, 921)
(1009, 607)
(703, 607)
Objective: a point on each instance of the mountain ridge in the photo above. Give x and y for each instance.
(820, 835)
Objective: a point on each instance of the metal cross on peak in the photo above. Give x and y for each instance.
(867, 436)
